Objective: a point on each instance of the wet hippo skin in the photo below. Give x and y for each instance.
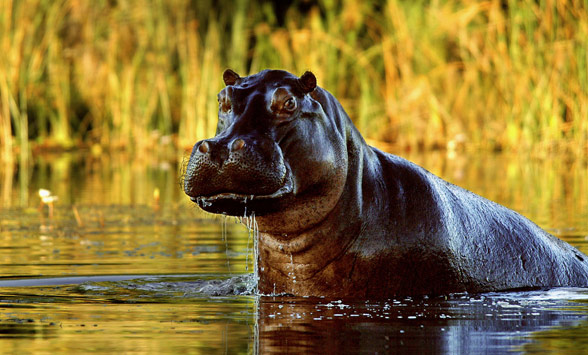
(340, 218)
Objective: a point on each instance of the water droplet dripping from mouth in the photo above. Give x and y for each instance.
(224, 237)
(253, 230)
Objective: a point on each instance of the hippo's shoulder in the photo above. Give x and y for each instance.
(453, 210)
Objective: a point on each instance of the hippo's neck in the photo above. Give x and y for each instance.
(317, 261)
(296, 263)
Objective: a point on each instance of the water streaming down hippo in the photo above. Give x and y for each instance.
(337, 217)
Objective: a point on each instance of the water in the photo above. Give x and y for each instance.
(128, 264)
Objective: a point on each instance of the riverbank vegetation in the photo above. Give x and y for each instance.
(417, 74)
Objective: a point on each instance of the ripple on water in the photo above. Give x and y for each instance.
(171, 287)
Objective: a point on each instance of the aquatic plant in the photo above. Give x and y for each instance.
(144, 73)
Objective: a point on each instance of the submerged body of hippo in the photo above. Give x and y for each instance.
(337, 217)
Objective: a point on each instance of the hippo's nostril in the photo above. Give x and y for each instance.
(204, 148)
(237, 144)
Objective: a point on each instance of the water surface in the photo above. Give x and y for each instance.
(127, 264)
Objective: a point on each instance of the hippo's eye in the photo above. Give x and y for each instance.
(283, 104)
(290, 104)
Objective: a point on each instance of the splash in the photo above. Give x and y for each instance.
(168, 288)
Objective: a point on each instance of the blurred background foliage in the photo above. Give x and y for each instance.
(140, 74)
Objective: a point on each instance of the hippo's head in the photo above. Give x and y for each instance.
(276, 151)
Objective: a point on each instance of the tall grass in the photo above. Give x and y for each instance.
(141, 73)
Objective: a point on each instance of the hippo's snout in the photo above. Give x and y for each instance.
(219, 153)
(237, 166)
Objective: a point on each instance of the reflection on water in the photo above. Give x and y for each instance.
(79, 325)
(153, 315)
(119, 240)
(489, 323)
(128, 264)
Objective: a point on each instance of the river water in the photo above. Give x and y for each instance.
(123, 262)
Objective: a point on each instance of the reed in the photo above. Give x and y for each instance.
(422, 74)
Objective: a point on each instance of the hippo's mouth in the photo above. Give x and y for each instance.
(239, 204)
(282, 191)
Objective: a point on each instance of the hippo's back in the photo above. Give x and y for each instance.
(490, 246)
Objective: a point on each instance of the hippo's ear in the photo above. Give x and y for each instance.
(307, 82)
(230, 77)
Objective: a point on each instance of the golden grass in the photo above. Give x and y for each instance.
(492, 74)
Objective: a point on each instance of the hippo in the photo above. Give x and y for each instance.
(339, 218)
